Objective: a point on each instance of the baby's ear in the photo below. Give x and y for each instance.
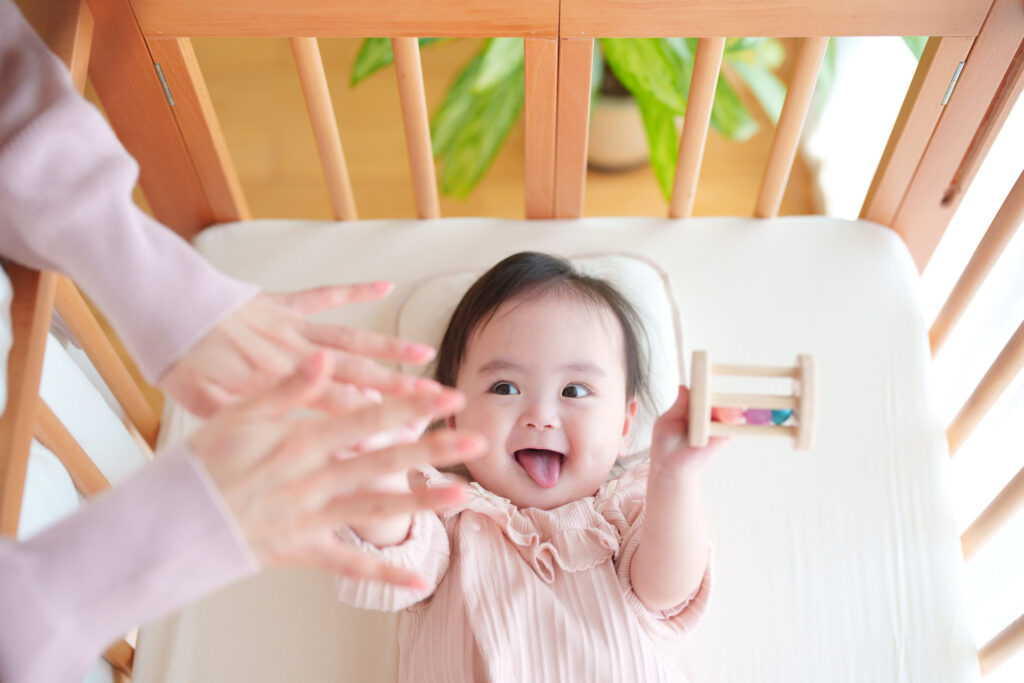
(627, 425)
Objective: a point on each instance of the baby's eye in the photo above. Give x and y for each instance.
(504, 388)
(575, 391)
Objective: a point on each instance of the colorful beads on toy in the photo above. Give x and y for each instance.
(758, 416)
(729, 416)
(780, 416)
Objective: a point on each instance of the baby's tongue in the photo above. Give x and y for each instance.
(542, 466)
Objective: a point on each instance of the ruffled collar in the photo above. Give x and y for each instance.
(574, 537)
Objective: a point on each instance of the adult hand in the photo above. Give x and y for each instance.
(265, 340)
(284, 484)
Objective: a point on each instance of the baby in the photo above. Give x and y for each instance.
(550, 570)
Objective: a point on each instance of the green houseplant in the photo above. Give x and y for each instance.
(486, 97)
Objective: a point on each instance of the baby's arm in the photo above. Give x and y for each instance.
(671, 558)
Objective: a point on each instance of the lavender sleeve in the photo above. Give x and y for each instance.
(152, 544)
(65, 193)
(163, 537)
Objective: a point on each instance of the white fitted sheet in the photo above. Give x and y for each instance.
(837, 564)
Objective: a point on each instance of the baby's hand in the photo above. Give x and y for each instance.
(670, 447)
(396, 482)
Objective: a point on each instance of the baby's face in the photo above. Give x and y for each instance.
(545, 382)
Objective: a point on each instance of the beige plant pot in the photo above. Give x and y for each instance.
(617, 138)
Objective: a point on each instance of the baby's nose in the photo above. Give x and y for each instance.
(539, 417)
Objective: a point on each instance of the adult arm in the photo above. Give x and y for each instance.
(156, 542)
(65, 188)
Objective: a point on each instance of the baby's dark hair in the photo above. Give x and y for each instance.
(533, 274)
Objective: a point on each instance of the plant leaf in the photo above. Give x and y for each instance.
(662, 139)
(501, 57)
(455, 108)
(916, 44)
(375, 54)
(766, 87)
(728, 115)
(651, 68)
(488, 120)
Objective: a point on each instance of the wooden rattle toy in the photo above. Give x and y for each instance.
(752, 414)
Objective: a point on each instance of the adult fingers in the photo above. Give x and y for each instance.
(363, 372)
(340, 559)
(439, 450)
(340, 398)
(345, 430)
(365, 343)
(302, 387)
(310, 301)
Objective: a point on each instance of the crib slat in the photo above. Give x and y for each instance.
(1002, 371)
(1007, 643)
(52, 433)
(985, 92)
(409, 72)
(69, 35)
(540, 117)
(695, 125)
(87, 332)
(918, 116)
(197, 120)
(325, 126)
(575, 57)
(121, 656)
(998, 235)
(997, 513)
(30, 323)
(791, 122)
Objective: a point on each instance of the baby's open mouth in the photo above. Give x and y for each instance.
(542, 465)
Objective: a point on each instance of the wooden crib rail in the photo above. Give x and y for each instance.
(709, 18)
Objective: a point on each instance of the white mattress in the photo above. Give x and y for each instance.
(837, 564)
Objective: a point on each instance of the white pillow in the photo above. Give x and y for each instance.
(424, 309)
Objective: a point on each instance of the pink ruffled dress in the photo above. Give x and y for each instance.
(528, 594)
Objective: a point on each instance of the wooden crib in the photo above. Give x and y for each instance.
(138, 56)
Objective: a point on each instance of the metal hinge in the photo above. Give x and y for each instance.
(952, 83)
(170, 100)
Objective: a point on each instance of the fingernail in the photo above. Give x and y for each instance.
(451, 495)
(427, 385)
(446, 400)
(382, 287)
(311, 366)
(416, 583)
(470, 443)
(372, 394)
(418, 350)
